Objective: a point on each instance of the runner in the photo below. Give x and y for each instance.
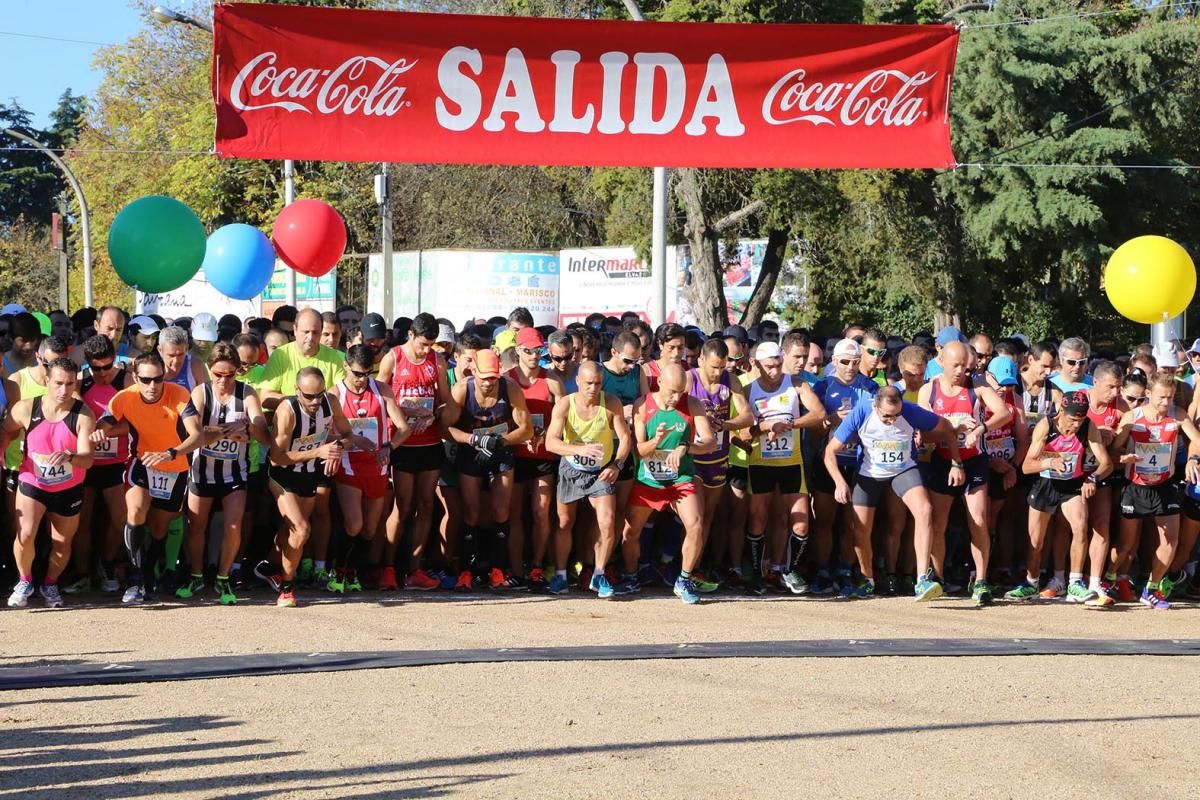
(781, 406)
(588, 430)
(230, 415)
(163, 428)
(1006, 447)
(886, 429)
(1104, 412)
(664, 479)
(564, 367)
(57, 427)
(488, 418)
(671, 342)
(536, 467)
(874, 354)
(26, 336)
(1073, 363)
(306, 451)
(952, 474)
(1062, 445)
(182, 369)
(418, 382)
(1148, 437)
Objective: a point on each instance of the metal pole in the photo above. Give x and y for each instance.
(658, 241)
(289, 195)
(84, 219)
(60, 235)
(383, 195)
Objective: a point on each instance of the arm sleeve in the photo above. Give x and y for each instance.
(847, 431)
(918, 417)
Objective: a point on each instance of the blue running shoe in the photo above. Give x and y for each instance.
(927, 589)
(601, 586)
(685, 591)
(559, 585)
(627, 585)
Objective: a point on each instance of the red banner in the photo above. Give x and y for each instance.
(351, 85)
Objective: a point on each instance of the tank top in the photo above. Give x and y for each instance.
(224, 461)
(571, 384)
(717, 405)
(737, 456)
(494, 419)
(626, 387)
(654, 469)
(1035, 406)
(368, 419)
(1071, 448)
(1154, 445)
(114, 449)
(43, 438)
(597, 430)
(415, 385)
(30, 389)
(769, 407)
(309, 433)
(540, 403)
(1108, 418)
(184, 378)
(653, 371)
(1001, 442)
(961, 407)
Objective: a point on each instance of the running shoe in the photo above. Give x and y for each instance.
(496, 579)
(927, 589)
(109, 583)
(1078, 592)
(981, 593)
(601, 586)
(20, 594)
(236, 579)
(387, 579)
(1054, 588)
(51, 595)
(1154, 599)
(465, 582)
(627, 585)
(891, 585)
(193, 587)
(225, 595)
(863, 589)
(421, 581)
(734, 579)
(353, 584)
(647, 576)
(841, 580)
(514, 583)
(559, 585)
(286, 600)
(703, 585)
(685, 591)
(774, 581)
(907, 586)
(306, 571)
(336, 583)
(1101, 600)
(795, 583)
(754, 586)
(268, 573)
(1022, 591)
(667, 572)
(537, 580)
(133, 594)
(78, 586)
(323, 576)
(445, 580)
(821, 584)
(1124, 591)
(1168, 584)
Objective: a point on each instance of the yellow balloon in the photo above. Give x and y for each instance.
(1150, 279)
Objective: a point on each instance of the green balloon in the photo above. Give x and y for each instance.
(43, 322)
(156, 244)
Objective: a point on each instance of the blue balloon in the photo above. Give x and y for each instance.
(239, 261)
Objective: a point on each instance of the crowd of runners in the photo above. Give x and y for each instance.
(331, 452)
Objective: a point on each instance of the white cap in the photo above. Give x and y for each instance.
(1195, 348)
(847, 348)
(767, 350)
(204, 327)
(1165, 355)
(145, 325)
(1020, 337)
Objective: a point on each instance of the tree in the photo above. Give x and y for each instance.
(28, 266)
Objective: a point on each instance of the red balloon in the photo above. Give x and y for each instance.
(310, 237)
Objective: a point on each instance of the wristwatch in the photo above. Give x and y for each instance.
(173, 453)
(956, 465)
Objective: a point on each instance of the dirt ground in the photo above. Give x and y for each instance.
(925, 727)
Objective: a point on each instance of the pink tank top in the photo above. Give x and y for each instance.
(114, 450)
(44, 438)
(1072, 449)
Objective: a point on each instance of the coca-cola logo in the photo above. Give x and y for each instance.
(883, 97)
(361, 84)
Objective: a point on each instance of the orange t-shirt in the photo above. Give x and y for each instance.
(154, 427)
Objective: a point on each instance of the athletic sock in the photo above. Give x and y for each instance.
(1094, 584)
(1111, 577)
(1076, 577)
(797, 544)
(756, 554)
(684, 574)
(1060, 575)
(132, 546)
(560, 573)
(1032, 580)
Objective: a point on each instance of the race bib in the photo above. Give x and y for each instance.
(162, 484)
(426, 403)
(1070, 463)
(1004, 447)
(584, 463)
(783, 446)
(499, 430)
(222, 450)
(955, 421)
(311, 442)
(659, 469)
(107, 448)
(889, 456)
(1153, 458)
(366, 427)
(51, 475)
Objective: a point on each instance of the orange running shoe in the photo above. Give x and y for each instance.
(421, 581)
(387, 580)
(465, 582)
(497, 579)
(286, 600)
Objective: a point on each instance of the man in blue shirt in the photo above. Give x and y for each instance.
(1072, 375)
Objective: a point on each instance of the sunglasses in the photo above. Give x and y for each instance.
(846, 362)
(313, 396)
(561, 359)
(527, 351)
(223, 375)
(1193, 356)
(630, 361)
(1135, 401)
(103, 367)
(146, 381)
(1075, 362)
(359, 374)
(878, 352)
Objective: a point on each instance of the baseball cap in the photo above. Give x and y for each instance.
(530, 338)
(487, 364)
(950, 334)
(764, 350)
(736, 332)
(144, 325)
(13, 308)
(1004, 370)
(204, 327)
(446, 334)
(1075, 403)
(373, 326)
(1165, 355)
(505, 339)
(1195, 348)
(847, 348)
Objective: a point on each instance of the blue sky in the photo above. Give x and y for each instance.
(37, 71)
